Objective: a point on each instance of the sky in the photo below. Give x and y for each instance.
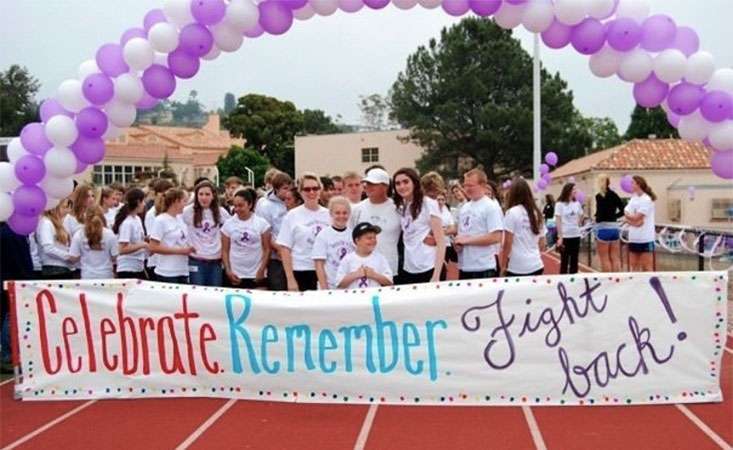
(322, 63)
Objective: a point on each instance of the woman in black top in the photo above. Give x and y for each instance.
(609, 208)
(548, 212)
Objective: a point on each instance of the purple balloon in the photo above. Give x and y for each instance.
(588, 36)
(541, 184)
(456, 8)
(551, 158)
(350, 6)
(80, 167)
(624, 34)
(685, 98)
(51, 107)
(722, 164)
(557, 35)
(544, 168)
(182, 64)
(547, 177)
(30, 170)
(376, 4)
(23, 225)
(294, 4)
(132, 33)
(484, 8)
(147, 102)
(98, 88)
(208, 12)
(275, 17)
(110, 61)
(687, 41)
(627, 184)
(154, 16)
(196, 40)
(91, 122)
(33, 137)
(716, 106)
(658, 33)
(254, 32)
(159, 81)
(29, 200)
(580, 196)
(651, 92)
(88, 150)
(516, 2)
(673, 119)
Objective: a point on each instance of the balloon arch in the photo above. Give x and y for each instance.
(660, 58)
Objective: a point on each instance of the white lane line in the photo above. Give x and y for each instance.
(366, 427)
(6, 381)
(705, 429)
(206, 425)
(50, 424)
(539, 442)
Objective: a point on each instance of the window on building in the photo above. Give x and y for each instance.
(370, 155)
(104, 175)
(674, 210)
(722, 209)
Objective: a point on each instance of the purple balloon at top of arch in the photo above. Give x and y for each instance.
(34, 140)
(551, 158)
(110, 61)
(29, 200)
(588, 36)
(716, 106)
(484, 8)
(687, 41)
(294, 4)
(88, 150)
(98, 88)
(91, 122)
(254, 32)
(722, 164)
(456, 8)
(275, 17)
(182, 64)
(208, 12)
(658, 33)
(159, 82)
(516, 2)
(351, 6)
(624, 34)
(685, 98)
(154, 16)
(196, 39)
(673, 119)
(651, 92)
(51, 107)
(147, 102)
(132, 33)
(30, 169)
(557, 35)
(376, 4)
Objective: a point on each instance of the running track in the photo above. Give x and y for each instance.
(217, 423)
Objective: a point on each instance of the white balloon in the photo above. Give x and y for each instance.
(138, 53)
(161, 59)
(178, 11)
(243, 15)
(633, 9)
(571, 12)
(6, 206)
(721, 135)
(509, 16)
(601, 9)
(404, 4)
(304, 13)
(693, 127)
(16, 150)
(8, 181)
(226, 37)
(700, 68)
(88, 67)
(112, 132)
(128, 88)
(51, 203)
(71, 96)
(721, 80)
(61, 131)
(670, 65)
(213, 54)
(60, 162)
(605, 63)
(430, 4)
(324, 7)
(636, 66)
(163, 37)
(56, 186)
(120, 114)
(538, 16)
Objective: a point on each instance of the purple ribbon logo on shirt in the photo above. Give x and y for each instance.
(245, 237)
(207, 227)
(363, 282)
(467, 221)
(342, 253)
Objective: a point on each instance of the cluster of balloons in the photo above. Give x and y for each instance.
(662, 59)
(545, 180)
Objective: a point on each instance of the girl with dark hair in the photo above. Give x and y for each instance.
(548, 212)
(609, 208)
(568, 217)
(639, 214)
(204, 219)
(131, 236)
(245, 242)
(524, 233)
(169, 240)
(420, 216)
(95, 246)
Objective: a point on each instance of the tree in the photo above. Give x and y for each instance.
(230, 102)
(375, 112)
(237, 159)
(604, 133)
(316, 121)
(649, 121)
(468, 97)
(18, 107)
(189, 113)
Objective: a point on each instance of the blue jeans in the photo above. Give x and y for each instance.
(205, 272)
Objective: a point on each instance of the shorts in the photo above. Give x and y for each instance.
(646, 247)
(608, 234)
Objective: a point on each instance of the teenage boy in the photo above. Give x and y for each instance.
(365, 267)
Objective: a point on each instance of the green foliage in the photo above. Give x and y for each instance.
(190, 113)
(316, 121)
(650, 121)
(237, 159)
(375, 112)
(603, 131)
(18, 107)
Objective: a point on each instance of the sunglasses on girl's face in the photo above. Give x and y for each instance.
(311, 189)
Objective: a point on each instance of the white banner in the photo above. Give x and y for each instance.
(551, 340)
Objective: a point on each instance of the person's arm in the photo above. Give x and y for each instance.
(378, 277)
(349, 278)
(75, 249)
(287, 257)
(619, 212)
(156, 247)
(506, 250)
(266, 238)
(125, 247)
(480, 239)
(47, 241)
(542, 244)
(558, 224)
(321, 273)
(226, 245)
(436, 225)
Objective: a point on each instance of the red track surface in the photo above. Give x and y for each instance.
(211, 423)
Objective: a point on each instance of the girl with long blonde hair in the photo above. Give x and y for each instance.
(95, 246)
(53, 244)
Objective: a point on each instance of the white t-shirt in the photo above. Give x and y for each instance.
(476, 218)
(206, 238)
(525, 256)
(110, 216)
(385, 216)
(419, 257)
(351, 262)
(131, 232)
(298, 233)
(171, 232)
(72, 226)
(245, 246)
(149, 221)
(273, 210)
(332, 246)
(570, 214)
(95, 264)
(52, 252)
(642, 205)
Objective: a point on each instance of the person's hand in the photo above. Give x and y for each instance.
(293, 285)
(370, 273)
(188, 250)
(559, 244)
(260, 275)
(461, 240)
(144, 246)
(233, 278)
(458, 247)
(436, 276)
(430, 241)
